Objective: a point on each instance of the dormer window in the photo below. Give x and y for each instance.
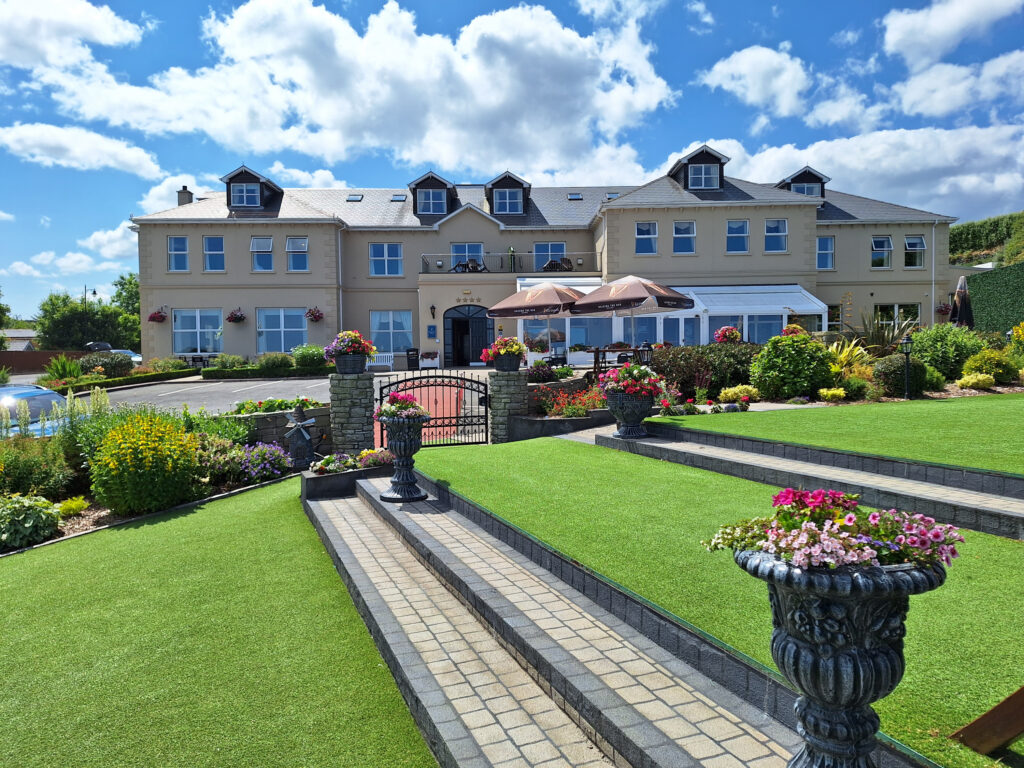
(813, 190)
(245, 195)
(431, 201)
(703, 177)
(508, 201)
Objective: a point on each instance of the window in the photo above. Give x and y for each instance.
(737, 236)
(262, 249)
(354, 198)
(684, 237)
(391, 331)
(537, 330)
(611, 195)
(431, 201)
(887, 314)
(881, 252)
(177, 254)
(385, 259)
(646, 330)
(776, 235)
(835, 317)
(810, 323)
(574, 196)
(196, 331)
(298, 253)
(508, 201)
(913, 256)
(245, 195)
(213, 254)
(647, 237)
(703, 177)
(814, 190)
(547, 252)
(826, 252)
(280, 329)
(760, 328)
(720, 321)
(590, 331)
(691, 331)
(398, 198)
(463, 252)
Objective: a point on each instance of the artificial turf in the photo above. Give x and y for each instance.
(982, 432)
(640, 521)
(219, 637)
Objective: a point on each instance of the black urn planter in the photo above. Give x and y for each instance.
(837, 637)
(405, 437)
(506, 363)
(629, 411)
(350, 363)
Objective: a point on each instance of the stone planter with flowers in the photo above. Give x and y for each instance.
(630, 392)
(349, 351)
(403, 419)
(507, 352)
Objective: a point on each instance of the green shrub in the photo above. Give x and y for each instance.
(144, 464)
(562, 372)
(856, 388)
(63, 367)
(934, 381)
(997, 297)
(832, 394)
(889, 374)
(114, 365)
(228, 361)
(165, 364)
(34, 466)
(73, 506)
(272, 404)
(976, 381)
(309, 356)
(946, 347)
(274, 361)
(219, 460)
(733, 394)
(984, 235)
(996, 364)
(539, 373)
(728, 364)
(26, 520)
(5, 374)
(203, 423)
(875, 392)
(791, 366)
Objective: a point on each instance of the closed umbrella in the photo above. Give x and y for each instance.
(962, 314)
(543, 301)
(637, 294)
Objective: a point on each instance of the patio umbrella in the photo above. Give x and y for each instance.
(962, 314)
(637, 294)
(542, 301)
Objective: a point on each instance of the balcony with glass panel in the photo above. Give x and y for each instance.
(544, 261)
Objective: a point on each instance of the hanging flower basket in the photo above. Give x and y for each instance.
(236, 316)
(314, 315)
(157, 317)
(944, 309)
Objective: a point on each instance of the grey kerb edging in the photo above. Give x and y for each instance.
(737, 673)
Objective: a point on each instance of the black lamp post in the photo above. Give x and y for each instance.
(906, 344)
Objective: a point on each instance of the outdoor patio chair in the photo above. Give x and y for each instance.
(566, 264)
(557, 357)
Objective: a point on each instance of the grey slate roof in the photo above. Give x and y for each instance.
(840, 207)
(666, 192)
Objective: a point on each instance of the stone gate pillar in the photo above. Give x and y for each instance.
(507, 396)
(351, 412)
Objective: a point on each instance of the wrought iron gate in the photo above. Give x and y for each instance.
(458, 406)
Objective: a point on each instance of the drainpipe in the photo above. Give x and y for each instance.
(341, 323)
(934, 224)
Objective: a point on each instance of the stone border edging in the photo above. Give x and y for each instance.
(735, 671)
(966, 478)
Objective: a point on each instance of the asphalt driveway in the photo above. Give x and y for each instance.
(221, 395)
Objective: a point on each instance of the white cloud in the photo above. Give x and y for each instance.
(44, 222)
(847, 37)
(74, 147)
(291, 75)
(771, 80)
(164, 196)
(4, 216)
(761, 124)
(705, 19)
(862, 67)
(118, 243)
(846, 106)
(924, 36)
(946, 88)
(21, 269)
(319, 179)
(619, 9)
(76, 263)
(44, 258)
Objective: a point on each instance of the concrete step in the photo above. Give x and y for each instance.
(641, 704)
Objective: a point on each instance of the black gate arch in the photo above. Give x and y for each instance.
(458, 406)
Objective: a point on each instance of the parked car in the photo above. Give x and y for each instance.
(135, 356)
(39, 399)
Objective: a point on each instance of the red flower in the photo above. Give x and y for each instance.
(664, 403)
(711, 402)
(745, 399)
(690, 400)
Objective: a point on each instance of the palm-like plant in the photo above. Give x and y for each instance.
(880, 338)
(847, 353)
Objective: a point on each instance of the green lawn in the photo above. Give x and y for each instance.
(221, 637)
(983, 432)
(639, 521)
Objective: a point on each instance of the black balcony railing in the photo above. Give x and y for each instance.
(522, 263)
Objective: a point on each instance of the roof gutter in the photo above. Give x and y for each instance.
(934, 255)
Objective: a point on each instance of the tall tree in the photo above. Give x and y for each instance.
(4, 314)
(70, 323)
(126, 293)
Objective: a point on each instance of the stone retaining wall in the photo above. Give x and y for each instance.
(270, 427)
(565, 385)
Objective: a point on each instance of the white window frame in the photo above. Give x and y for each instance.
(811, 190)
(919, 252)
(837, 324)
(254, 252)
(896, 313)
(678, 238)
(461, 253)
(511, 200)
(431, 201)
(651, 237)
(378, 336)
(745, 235)
(262, 334)
(217, 347)
(706, 176)
(208, 252)
(881, 244)
(293, 247)
(551, 251)
(830, 252)
(784, 234)
(176, 252)
(386, 254)
(243, 193)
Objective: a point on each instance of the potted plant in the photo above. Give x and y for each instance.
(728, 334)
(944, 308)
(314, 314)
(507, 352)
(403, 418)
(349, 351)
(630, 391)
(236, 316)
(430, 359)
(157, 317)
(839, 582)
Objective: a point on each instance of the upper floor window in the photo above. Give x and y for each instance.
(776, 235)
(737, 236)
(213, 254)
(881, 252)
(431, 201)
(814, 190)
(262, 249)
(508, 201)
(385, 259)
(245, 194)
(684, 237)
(703, 177)
(464, 253)
(177, 254)
(546, 253)
(826, 252)
(647, 237)
(913, 256)
(298, 253)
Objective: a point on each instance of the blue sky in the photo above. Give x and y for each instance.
(105, 110)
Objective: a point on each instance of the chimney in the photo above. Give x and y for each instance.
(184, 196)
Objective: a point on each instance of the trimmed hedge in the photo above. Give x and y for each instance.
(985, 234)
(729, 365)
(257, 373)
(141, 378)
(889, 374)
(997, 298)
